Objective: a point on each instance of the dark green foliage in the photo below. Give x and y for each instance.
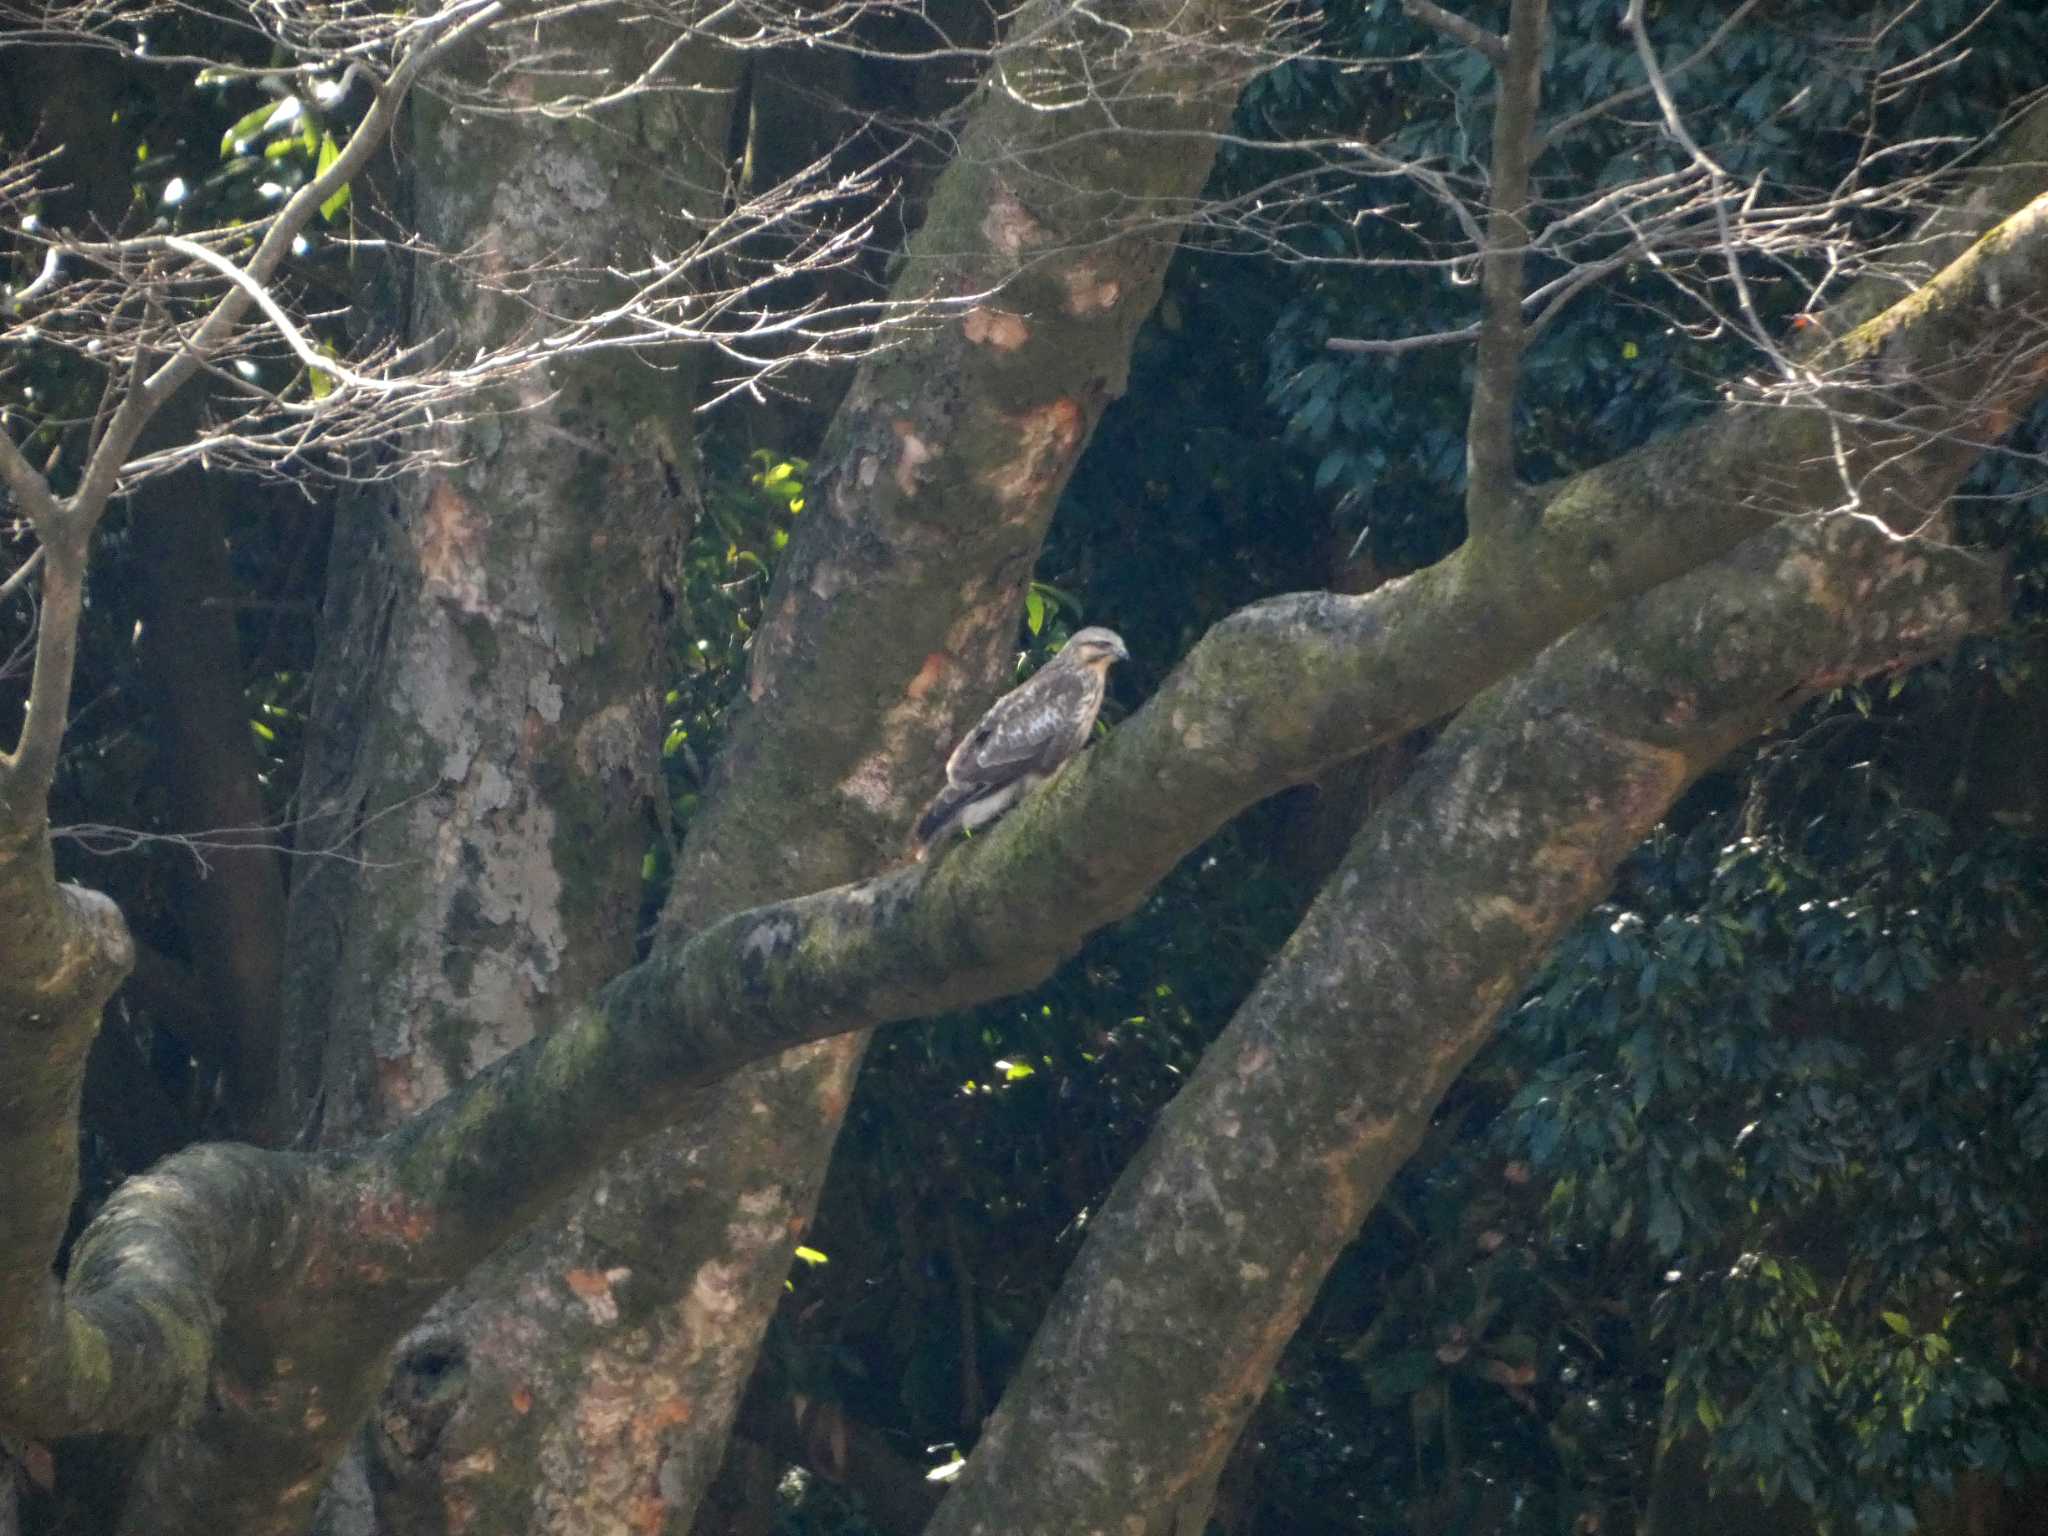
(727, 563)
(1801, 1062)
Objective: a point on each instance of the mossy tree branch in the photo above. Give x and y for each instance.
(1206, 1256)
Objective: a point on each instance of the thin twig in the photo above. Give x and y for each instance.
(1557, 130)
(1369, 344)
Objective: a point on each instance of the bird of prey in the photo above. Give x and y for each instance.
(1023, 738)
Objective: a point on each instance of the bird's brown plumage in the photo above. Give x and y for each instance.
(1023, 738)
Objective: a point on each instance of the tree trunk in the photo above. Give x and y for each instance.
(486, 732)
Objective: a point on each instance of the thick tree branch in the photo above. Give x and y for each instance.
(1491, 494)
(1204, 1259)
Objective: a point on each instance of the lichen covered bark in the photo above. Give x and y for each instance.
(487, 718)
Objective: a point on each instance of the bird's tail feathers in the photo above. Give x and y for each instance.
(932, 824)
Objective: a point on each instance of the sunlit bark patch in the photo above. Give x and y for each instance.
(995, 328)
(1048, 438)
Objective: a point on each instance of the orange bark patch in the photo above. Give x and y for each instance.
(995, 328)
(522, 1400)
(379, 1220)
(915, 454)
(1047, 440)
(670, 1411)
(1088, 294)
(936, 665)
(450, 541)
(397, 1086)
(618, 1425)
(593, 1287)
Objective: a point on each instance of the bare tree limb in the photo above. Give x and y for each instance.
(1371, 346)
(25, 774)
(23, 572)
(30, 490)
(1452, 25)
(1491, 494)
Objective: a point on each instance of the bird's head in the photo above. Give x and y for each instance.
(1095, 647)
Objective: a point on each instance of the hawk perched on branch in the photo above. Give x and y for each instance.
(1023, 738)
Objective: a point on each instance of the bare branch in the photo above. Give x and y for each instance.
(25, 773)
(1559, 130)
(302, 349)
(1490, 492)
(437, 34)
(1372, 346)
(1674, 123)
(1452, 25)
(20, 578)
(30, 490)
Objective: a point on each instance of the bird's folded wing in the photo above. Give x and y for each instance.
(1026, 731)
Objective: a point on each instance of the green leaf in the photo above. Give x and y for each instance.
(1665, 1229)
(246, 127)
(1401, 1375)
(319, 380)
(811, 1256)
(1034, 611)
(329, 153)
(1897, 1323)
